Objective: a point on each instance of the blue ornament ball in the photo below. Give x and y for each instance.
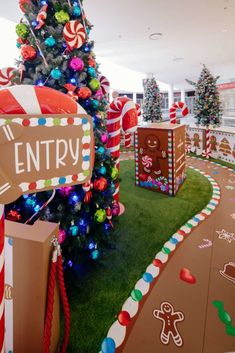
(102, 170)
(50, 41)
(56, 74)
(91, 71)
(43, 2)
(95, 254)
(101, 150)
(34, 23)
(108, 345)
(88, 31)
(87, 103)
(95, 104)
(76, 11)
(86, 49)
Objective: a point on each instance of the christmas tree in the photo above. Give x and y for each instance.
(53, 38)
(152, 101)
(207, 100)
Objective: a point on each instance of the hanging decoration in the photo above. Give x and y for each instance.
(74, 34)
(41, 17)
(6, 76)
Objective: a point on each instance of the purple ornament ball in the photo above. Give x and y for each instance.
(76, 64)
(104, 138)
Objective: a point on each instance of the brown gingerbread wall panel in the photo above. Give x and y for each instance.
(160, 157)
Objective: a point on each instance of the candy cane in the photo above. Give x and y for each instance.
(41, 17)
(127, 136)
(174, 107)
(122, 113)
(207, 152)
(2, 281)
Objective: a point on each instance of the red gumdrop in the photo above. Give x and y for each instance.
(124, 318)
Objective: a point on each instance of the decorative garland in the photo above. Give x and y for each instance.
(118, 331)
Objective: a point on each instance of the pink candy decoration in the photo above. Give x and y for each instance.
(76, 64)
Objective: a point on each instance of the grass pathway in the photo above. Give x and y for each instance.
(150, 219)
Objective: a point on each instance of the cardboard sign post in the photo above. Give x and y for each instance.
(38, 153)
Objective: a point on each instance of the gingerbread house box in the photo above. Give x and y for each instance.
(28, 256)
(160, 157)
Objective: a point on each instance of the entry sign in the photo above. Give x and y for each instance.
(44, 152)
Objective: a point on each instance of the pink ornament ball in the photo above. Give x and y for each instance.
(62, 236)
(115, 209)
(76, 64)
(99, 94)
(104, 138)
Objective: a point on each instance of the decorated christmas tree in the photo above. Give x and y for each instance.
(53, 39)
(207, 103)
(152, 101)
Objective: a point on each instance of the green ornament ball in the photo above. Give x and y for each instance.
(62, 16)
(94, 84)
(22, 30)
(100, 216)
(114, 173)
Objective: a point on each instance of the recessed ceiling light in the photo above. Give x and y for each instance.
(178, 59)
(155, 36)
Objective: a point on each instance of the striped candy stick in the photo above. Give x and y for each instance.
(174, 107)
(122, 113)
(127, 136)
(2, 281)
(207, 152)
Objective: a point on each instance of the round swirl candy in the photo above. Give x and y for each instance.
(6, 75)
(104, 84)
(74, 34)
(147, 161)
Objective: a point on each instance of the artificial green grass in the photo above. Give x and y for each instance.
(150, 219)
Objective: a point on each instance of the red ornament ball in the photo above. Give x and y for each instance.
(84, 93)
(28, 52)
(124, 318)
(100, 184)
(91, 62)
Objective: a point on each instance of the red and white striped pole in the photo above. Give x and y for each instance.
(2, 281)
(127, 136)
(174, 107)
(207, 152)
(122, 113)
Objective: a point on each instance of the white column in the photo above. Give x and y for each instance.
(134, 97)
(183, 95)
(170, 95)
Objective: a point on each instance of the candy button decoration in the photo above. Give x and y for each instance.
(136, 295)
(6, 75)
(108, 345)
(147, 277)
(124, 318)
(74, 34)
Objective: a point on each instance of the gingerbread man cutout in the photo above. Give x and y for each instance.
(213, 143)
(151, 155)
(169, 318)
(196, 140)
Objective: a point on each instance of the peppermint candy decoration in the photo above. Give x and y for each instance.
(147, 161)
(74, 34)
(104, 84)
(6, 75)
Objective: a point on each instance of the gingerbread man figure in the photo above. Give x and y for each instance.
(151, 155)
(169, 318)
(213, 143)
(196, 140)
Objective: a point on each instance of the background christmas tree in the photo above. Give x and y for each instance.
(208, 107)
(152, 101)
(56, 52)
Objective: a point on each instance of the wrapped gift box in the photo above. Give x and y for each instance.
(28, 255)
(160, 157)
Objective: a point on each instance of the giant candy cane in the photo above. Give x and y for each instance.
(122, 113)
(207, 152)
(174, 107)
(127, 136)
(2, 281)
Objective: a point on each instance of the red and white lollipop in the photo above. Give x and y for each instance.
(104, 84)
(74, 34)
(6, 75)
(147, 161)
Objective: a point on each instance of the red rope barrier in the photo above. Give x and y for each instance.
(56, 268)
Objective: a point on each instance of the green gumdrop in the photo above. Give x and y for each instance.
(225, 318)
(230, 330)
(136, 295)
